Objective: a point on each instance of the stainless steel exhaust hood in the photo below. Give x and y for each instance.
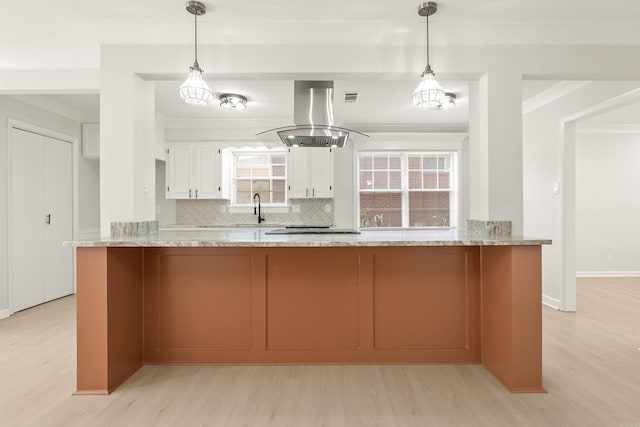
(313, 118)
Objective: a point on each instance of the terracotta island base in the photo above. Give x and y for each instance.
(346, 304)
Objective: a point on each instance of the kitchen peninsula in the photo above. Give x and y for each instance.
(240, 296)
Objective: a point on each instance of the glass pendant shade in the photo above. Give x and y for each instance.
(429, 93)
(194, 90)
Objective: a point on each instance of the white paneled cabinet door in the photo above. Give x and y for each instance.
(207, 173)
(194, 172)
(179, 173)
(298, 172)
(321, 170)
(58, 205)
(27, 251)
(310, 173)
(41, 209)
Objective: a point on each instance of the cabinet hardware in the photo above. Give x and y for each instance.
(196, 193)
(167, 151)
(306, 192)
(330, 187)
(219, 189)
(167, 188)
(189, 193)
(47, 219)
(313, 193)
(289, 188)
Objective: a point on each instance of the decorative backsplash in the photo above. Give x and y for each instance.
(492, 228)
(207, 212)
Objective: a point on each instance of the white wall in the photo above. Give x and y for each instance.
(607, 204)
(165, 209)
(545, 164)
(12, 108)
(88, 197)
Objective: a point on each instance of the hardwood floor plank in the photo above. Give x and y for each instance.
(591, 372)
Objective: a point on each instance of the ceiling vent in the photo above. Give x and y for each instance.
(350, 96)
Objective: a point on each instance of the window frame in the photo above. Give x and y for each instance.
(241, 207)
(453, 190)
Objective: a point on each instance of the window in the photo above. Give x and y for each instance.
(408, 189)
(260, 172)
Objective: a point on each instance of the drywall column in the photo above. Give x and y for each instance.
(496, 148)
(344, 189)
(127, 154)
(478, 160)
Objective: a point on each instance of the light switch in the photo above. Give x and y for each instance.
(556, 188)
(327, 207)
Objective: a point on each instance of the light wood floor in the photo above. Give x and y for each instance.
(591, 373)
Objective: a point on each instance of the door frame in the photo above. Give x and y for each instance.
(74, 141)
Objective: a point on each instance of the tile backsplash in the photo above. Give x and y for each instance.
(208, 212)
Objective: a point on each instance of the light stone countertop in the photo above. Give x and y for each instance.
(252, 237)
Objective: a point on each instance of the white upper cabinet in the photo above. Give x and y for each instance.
(310, 173)
(91, 140)
(194, 172)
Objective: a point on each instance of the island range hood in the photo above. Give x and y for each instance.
(313, 118)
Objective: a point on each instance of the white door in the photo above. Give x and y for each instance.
(58, 203)
(27, 251)
(41, 207)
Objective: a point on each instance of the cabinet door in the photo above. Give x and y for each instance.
(27, 251)
(91, 140)
(58, 209)
(207, 173)
(179, 182)
(298, 172)
(321, 170)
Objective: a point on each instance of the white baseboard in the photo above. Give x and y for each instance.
(607, 273)
(4, 313)
(551, 302)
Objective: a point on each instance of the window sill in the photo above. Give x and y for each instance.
(263, 209)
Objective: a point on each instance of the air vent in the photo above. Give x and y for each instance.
(350, 96)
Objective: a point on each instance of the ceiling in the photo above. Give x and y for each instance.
(67, 34)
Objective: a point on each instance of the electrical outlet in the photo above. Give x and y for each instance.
(295, 208)
(327, 207)
(222, 209)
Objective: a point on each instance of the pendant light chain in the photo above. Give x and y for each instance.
(428, 63)
(196, 37)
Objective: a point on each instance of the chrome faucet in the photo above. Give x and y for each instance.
(260, 216)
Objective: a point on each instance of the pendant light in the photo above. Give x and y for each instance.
(194, 90)
(429, 93)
